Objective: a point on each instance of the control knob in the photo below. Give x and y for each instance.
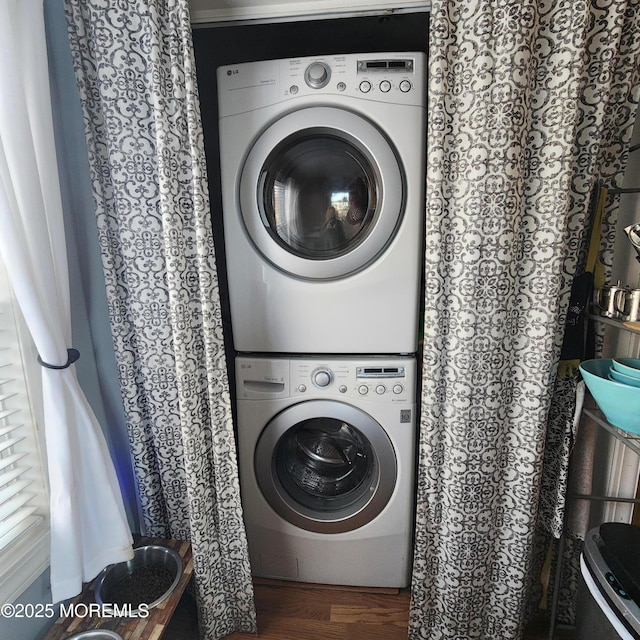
(317, 75)
(322, 378)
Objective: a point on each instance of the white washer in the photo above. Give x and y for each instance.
(326, 454)
(323, 175)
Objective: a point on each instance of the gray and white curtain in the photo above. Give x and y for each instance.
(136, 75)
(607, 113)
(514, 87)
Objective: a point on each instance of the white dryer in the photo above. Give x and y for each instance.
(326, 454)
(323, 175)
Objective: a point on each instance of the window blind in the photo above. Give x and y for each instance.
(22, 489)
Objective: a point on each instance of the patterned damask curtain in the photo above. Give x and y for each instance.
(607, 113)
(135, 70)
(514, 87)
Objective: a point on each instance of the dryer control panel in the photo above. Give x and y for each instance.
(395, 78)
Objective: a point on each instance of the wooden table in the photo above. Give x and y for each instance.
(149, 628)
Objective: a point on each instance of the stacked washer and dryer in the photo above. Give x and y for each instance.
(323, 173)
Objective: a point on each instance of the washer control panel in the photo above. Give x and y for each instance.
(388, 381)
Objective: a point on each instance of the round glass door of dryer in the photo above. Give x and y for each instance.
(321, 193)
(325, 466)
(318, 195)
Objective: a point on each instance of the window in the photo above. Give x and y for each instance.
(24, 539)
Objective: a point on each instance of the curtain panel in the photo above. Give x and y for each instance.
(508, 186)
(135, 70)
(83, 540)
(607, 114)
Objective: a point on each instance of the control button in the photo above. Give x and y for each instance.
(398, 388)
(365, 86)
(616, 586)
(302, 388)
(405, 86)
(293, 89)
(385, 86)
(322, 378)
(380, 389)
(317, 75)
(342, 86)
(363, 389)
(342, 388)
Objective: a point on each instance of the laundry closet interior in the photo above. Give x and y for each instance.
(317, 130)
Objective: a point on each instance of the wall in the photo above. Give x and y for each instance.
(29, 628)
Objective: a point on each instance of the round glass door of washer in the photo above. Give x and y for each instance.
(321, 193)
(325, 466)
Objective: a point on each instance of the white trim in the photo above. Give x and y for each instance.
(206, 12)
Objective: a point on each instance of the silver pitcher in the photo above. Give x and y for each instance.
(627, 304)
(605, 299)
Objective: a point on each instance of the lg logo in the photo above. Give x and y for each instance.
(232, 72)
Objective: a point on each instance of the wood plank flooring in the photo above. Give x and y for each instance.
(288, 612)
(292, 612)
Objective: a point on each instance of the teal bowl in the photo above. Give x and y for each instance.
(623, 377)
(620, 403)
(627, 366)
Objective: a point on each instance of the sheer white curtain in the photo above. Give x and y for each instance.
(88, 523)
